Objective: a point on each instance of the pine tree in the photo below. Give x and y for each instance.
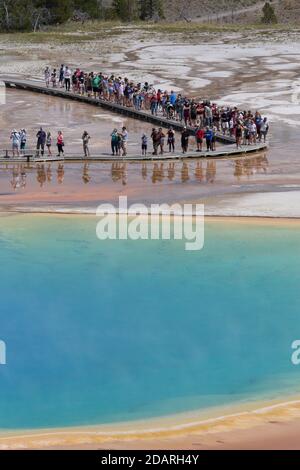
(269, 14)
(61, 10)
(91, 7)
(125, 10)
(150, 9)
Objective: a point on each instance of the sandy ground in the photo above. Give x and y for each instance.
(258, 72)
(273, 426)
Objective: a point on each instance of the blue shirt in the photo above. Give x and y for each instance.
(173, 98)
(209, 134)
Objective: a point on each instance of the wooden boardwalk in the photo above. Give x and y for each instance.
(219, 154)
(227, 150)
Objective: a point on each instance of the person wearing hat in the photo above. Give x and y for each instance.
(85, 142)
(15, 139)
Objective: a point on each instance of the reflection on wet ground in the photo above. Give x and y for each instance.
(203, 171)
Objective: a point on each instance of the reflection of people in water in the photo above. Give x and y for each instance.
(171, 171)
(211, 170)
(185, 172)
(41, 175)
(238, 169)
(18, 177)
(49, 173)
(23, 177)
(158, 173)
(199, 172)
(86, 178)
(144, 171)
(60, 173)
(250, 166)
(119, 172)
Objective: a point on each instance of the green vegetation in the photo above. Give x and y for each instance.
(26, 15)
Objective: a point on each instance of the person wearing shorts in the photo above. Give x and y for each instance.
(15, 139)
(144, 144)
(95, 85)
(199, 139)
(124, 140)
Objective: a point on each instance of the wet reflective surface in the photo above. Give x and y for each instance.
(56, 181)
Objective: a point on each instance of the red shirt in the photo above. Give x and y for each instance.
(200, 134)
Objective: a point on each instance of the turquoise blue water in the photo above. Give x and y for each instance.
(101, 332)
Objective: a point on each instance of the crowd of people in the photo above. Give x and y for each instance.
(43, 141)
(201, 120)
(201, 116)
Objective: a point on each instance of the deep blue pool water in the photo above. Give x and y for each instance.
(101, 332)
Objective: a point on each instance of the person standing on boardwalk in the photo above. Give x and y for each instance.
(49, 143)
(156, 140)
(239, 135)
(61, 76)
(186, 113)
(60, 143)
(144, 145)
(115, 138)
(214, 139)
(15, 140)
(161, 140)
(67, 78)
(41, 140)
(53, 78)
(171, 139)
(124, 141)
(23, 140)
(199, 138)
(264, 129)
(184, 140)
(47, 75)
(209, 138)
(85, 142)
